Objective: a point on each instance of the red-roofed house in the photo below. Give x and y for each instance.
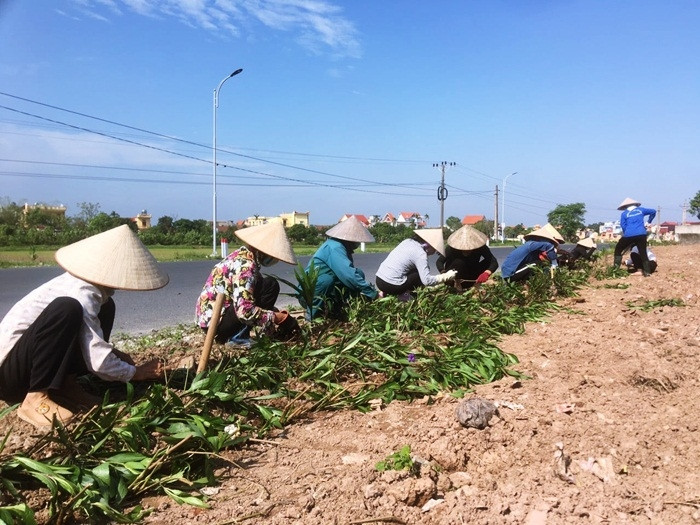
(471, 220)
(359, 217)
(389, 219)
(410, 218)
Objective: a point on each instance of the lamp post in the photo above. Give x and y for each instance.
(503, 209)
(216, 105)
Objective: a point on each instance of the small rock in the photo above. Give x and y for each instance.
(475, 412)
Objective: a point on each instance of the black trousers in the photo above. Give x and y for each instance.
(49, 350)
(637, 262)
(640, 241)
(468, 270)
(411, 283)
(265, 295)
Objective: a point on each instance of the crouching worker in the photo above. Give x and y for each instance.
(249, 298)
(540, 246)
(468, 254)
(583, 250)
(338, 279)
(406, 267)
(634, 262)
(61, 330)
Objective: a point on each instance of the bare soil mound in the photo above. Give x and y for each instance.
(604, 429)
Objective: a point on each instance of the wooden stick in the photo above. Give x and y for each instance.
(211, 332)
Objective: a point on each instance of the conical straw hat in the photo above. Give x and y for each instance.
(587, 243)
(555, 233)
(351, 229)
(628, 202)
(467, 238)
(545, 233)
(269, 238)
(116, 259)
(433, 236)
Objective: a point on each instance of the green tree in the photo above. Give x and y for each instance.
(88, 211)
(485, 227)
(10, 213)
(512, 232)
(453, 223)
(103, 222)
(695, 205)
(165, 224)
(568, 219)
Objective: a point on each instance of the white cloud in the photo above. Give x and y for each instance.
(319, 25)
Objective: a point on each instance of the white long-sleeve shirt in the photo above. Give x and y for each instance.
(97, 352)
(408, 256)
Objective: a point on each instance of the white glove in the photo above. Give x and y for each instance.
(447, 276)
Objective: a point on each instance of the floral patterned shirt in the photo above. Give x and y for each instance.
(235, 277)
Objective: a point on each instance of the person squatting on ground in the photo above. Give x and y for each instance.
(61, 329)
(468, 254)
(633, 221)
(540, 246)
(249, 298)
(634, 262)
(406, 267)
(338, 279)
(583, 250)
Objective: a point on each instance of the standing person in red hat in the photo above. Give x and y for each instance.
(633, 221)
(406, 267)
(249, 297)
(61, 329)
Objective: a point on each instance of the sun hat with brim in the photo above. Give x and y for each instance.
(555, 233)
(351, 229)
(628, 202)
(115, 259)
(269, 238)
(467, 238)
(587, 243)
(433, 236)
(543, 233)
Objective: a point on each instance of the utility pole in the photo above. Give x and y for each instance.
(495, 210)
(442, 191)
(685, 209)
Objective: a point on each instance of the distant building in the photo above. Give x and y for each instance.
(411, 219)
(287, 219)
(358, 216)
(59, 211)
(257, 220)
(142, 220)
(471, 220)
(296, 217)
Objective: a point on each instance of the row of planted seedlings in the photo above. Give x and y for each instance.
(168, 438)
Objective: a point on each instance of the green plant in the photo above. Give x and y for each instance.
(647, 306)
(400, 460)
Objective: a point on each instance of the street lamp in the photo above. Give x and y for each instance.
(216, 105)
(503, 209)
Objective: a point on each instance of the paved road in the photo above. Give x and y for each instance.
(141, 312)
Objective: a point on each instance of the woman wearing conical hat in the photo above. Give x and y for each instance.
(406, 267)
(338, 279)
(633, 221)
(540, 246)
(61, 329)
(467, 252)
(584, 249)
(249, 297)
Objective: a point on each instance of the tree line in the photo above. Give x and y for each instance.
(42, 228)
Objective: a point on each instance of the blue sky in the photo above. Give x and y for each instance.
(344, 107)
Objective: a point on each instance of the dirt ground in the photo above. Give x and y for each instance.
(605, 430)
